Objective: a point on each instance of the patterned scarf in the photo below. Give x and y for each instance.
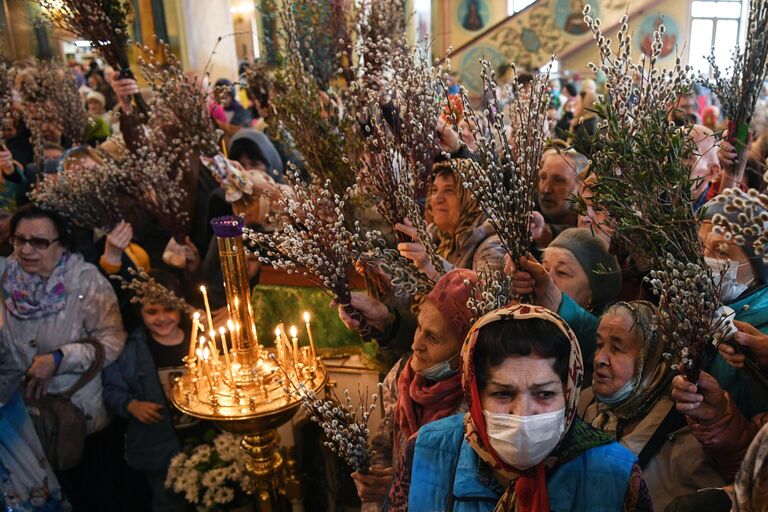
(421, 401)
(527, 491)
(751, 483)
(29, 295)
(652, 378)
(449, 245)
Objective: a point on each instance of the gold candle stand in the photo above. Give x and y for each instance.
(251, 395)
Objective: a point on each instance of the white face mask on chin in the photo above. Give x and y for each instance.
(524, 441)
(725, 273)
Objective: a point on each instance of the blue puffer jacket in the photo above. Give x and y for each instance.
(148, 447)
(595, 481)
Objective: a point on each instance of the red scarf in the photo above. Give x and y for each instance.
(421, 401)
(528, 489)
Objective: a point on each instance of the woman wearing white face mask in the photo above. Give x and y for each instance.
(423, 386)
(630, 400)
(743, 288)
(520, 447)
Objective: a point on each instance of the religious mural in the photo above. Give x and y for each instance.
(473, 15)
(650, 23)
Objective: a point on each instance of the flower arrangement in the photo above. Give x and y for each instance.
(492, 291)
(147, 290)
(400, 144)
(327, 30)
(753, 220)
(179, 99)
(403, 277)
(96, 191)
(89, 193)
(345, 426)
(102, 22)
(329, 141)
(6, 97)
(689, 319)
(739, 88)
(379, 23)
(212, 476)
(503, 181)
(641, 166)
(314, 239)
(49, 94)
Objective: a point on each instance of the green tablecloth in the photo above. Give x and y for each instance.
(287, 304)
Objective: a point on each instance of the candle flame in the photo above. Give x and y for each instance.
(293, 331)
(202, 340)
(230, 325)
(196, 316)
(206, 353)
(222, 331)
(200, 353)
(277, 332)
(202, 288)
(306, 317)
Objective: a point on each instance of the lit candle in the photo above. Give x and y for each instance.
(311, 339)
(193, 338)
(295, 341)
(208, 310)
(203, 354)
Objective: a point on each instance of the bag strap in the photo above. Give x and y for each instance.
(98, 361)
(672, 422)
(92, 371)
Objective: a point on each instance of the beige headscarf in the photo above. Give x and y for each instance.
(751, 483)
(449, 246)
(653, 374)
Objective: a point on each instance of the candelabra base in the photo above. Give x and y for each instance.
(265, 464)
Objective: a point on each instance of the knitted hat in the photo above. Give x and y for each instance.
(713, 207)
(601, 268)
(450, 296)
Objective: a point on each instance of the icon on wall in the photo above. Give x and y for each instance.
(470, 67)
(473, 15)
(668, 39)
(569, 15)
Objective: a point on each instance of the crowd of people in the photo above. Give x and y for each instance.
(565, 404)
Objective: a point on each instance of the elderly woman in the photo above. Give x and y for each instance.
(725, 408)
(630, 400)
(577, 279)
(520, 446)
(52, 299)
(463, 236)
(423, 386)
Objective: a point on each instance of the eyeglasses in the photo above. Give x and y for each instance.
(37, 243)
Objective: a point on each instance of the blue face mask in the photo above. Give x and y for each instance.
(619, 396)
(440, 371)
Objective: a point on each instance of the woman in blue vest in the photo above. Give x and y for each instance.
(520, 447)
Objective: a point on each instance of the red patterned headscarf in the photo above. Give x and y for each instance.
(527, 491)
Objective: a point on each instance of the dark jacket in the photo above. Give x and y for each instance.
(148, 447)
